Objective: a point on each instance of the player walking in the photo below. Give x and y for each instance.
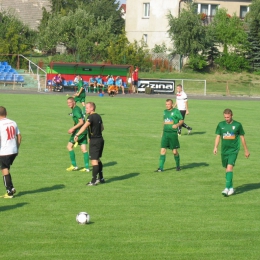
(172, 119)
(182, 105)
(10, 140)
(230, 132)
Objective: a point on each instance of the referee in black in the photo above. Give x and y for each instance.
(95, 127)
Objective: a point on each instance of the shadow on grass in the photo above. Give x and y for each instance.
(123, 177)
(46, 189)
(190, 166)
(197, 133)
(9, 207)
(246, 187)
(109, 164)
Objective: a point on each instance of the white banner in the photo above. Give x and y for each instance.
(157, 85)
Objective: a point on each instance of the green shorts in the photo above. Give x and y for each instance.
(82, 139)
(79, 99)
(170, 140)
(228, 159)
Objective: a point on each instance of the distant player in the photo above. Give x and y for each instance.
(172, 119)
(78, 121)
(230, 132)
(10, 140)
(80, 95)
(182, 104)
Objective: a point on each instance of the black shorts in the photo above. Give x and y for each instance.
(96, 146)
(135, 83)
(7, 160)
(183, 113)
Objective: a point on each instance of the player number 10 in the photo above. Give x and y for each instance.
(10, 132)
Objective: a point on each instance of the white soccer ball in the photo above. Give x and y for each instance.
(83, 218)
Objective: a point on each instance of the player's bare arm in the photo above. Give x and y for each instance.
(175, 126)
(243, 141)
(82, 129)
(215, 150)
(78, 125)
(187, 108)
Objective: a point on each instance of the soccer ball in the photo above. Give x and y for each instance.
(83, 218)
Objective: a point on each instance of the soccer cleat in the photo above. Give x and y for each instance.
(70, 114)
(8, 196)
(76, 144)
(13, 190)
(84, 170)
(100, 181)
(91, 184)
(225, 192)
(179, 133)
(72, 168)
(231, 191)
(189, 130)
(178, 168)
(159, 170)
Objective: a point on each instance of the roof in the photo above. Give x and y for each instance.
(123, 6)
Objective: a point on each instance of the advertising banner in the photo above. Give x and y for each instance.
(157, 85)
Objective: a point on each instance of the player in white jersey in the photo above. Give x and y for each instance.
(10, 140)
(182, 105)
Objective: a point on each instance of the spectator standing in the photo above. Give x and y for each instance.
(135, 80)
(119, 84)
(10, 140)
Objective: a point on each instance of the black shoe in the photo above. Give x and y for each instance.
(189, 130)
(91, 184)
(178, 168)
(159, 170)
(179, 133)
(70, 114)
(102, 180)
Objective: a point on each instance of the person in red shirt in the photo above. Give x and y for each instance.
(135, 80)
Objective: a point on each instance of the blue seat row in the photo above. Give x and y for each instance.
(15, 78)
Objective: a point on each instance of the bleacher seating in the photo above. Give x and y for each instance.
(9, 75)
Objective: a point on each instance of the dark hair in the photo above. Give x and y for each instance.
(3, 111)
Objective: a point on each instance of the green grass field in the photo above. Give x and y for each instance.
(137, 213)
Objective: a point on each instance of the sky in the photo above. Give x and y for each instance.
(122, 1)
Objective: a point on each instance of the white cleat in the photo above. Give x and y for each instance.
(225, 192)
(231, 191)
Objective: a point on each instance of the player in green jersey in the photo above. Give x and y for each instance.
(172, 119)
(78, 120)
(230, 132)
(80, 95)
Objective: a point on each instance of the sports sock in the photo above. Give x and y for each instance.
(94, 173)
(162, 161)
(185, 125)
(86, 160)
(72, 158)
(8, 182)
(177, 160)
(229, 180)
(100, 170)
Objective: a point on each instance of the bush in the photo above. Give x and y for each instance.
(197, 62)
(232, 62)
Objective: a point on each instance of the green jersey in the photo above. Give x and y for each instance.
(76, 115)
(80, 85)
(170, 118)
(230, 136)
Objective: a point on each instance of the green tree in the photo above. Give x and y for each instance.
(253, 21)
(187, 32)
(121, 51)
(84, 36)
(15, 37)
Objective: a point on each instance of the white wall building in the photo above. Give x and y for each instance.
(148, 20)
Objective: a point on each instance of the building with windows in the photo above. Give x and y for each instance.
(147, 19)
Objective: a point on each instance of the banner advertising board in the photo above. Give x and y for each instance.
(157, 85)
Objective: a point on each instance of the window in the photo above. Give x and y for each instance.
(145, 38)
(243, 11)
(146, 10)
(209, 10)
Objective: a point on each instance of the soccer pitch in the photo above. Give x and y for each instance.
(137, 213)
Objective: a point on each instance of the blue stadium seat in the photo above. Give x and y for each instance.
(5, 63)
(8, 78)
(65, 83)
(20, 78)
(2, 78)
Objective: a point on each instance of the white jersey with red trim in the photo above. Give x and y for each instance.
(8, 132)
(181, 99)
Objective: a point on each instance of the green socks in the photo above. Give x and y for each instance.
(229, 180)
(177, 160)
(86, 160)
(161, 161)
(72, 158)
